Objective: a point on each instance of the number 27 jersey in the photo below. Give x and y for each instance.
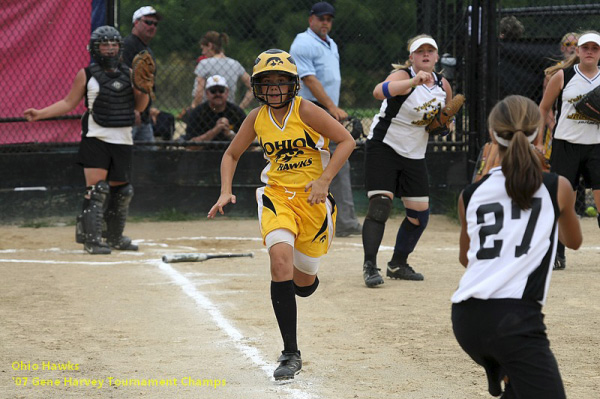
(511, 251)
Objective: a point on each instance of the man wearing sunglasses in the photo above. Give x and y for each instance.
(145, 23)
(215, 119)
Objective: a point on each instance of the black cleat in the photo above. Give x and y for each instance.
(96, 248)
(371, 274)
(123, 244)
(290, 364)
(560, 263)
(403, 271)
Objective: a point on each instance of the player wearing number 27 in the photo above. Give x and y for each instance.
(510, 223)
(296, 212)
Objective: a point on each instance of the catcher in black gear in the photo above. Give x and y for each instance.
(105, 151)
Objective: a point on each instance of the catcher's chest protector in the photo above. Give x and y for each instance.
(115, 104)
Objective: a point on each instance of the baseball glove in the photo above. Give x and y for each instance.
(354, 126)
(589, 105)
(440, 124)
(142, 72)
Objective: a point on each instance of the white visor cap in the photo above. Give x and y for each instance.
(419, 42)
(589, 37)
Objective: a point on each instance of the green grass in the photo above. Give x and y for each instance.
(37, 224)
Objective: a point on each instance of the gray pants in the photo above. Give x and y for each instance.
(143, 133)
(341, 188)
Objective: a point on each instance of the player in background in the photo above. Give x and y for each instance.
(510, 223)
(568, 45)
(576, 140)
(395, 157)
(105, 151)
(296, 212)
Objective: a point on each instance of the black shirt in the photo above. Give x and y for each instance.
(133, 45)
(201, 119)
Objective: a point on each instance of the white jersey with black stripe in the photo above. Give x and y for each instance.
(511, 251)
(572, 126)
(401, 120)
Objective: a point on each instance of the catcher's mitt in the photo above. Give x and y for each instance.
(589, 105)
(354, 126)
(142, 72)
(440, 124)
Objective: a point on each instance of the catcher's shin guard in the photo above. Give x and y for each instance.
(92, 219)
(116, 217)
(79, 230)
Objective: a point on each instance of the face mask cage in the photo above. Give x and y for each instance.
(108, 62)
(265, 94)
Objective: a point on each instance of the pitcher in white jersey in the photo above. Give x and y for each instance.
(510, 222)
(295, 210)
(576, 140)
(395, 157)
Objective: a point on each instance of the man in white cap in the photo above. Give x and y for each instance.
(216, 119)
(145, 22)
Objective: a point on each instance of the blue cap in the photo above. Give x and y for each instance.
(322, 8)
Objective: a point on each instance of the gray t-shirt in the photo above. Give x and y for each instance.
(227, 67)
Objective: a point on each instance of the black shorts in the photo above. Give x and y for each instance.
(508, 338)
(575, 160)
(385, 170)
(115, 158)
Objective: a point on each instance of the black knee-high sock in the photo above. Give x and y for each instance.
(372, 235)
(560, 249)
(406, 240)
(283, 298)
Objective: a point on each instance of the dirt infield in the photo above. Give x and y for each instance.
(142, 328)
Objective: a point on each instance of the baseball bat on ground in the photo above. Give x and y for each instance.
(200, 257)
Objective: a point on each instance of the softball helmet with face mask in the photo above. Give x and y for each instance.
(105, 34)
(282, 63)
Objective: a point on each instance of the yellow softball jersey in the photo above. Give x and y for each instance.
(296, 153)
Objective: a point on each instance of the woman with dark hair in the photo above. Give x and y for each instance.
(215, 62)
(511, 221)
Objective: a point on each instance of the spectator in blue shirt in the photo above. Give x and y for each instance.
(318, 62)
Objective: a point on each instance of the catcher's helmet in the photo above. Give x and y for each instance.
(105, 34)
(280, 62)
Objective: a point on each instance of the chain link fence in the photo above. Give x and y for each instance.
(488, 49)
(364, 31)
(533, 38)
(370, 34)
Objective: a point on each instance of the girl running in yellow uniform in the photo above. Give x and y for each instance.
(296, 212)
